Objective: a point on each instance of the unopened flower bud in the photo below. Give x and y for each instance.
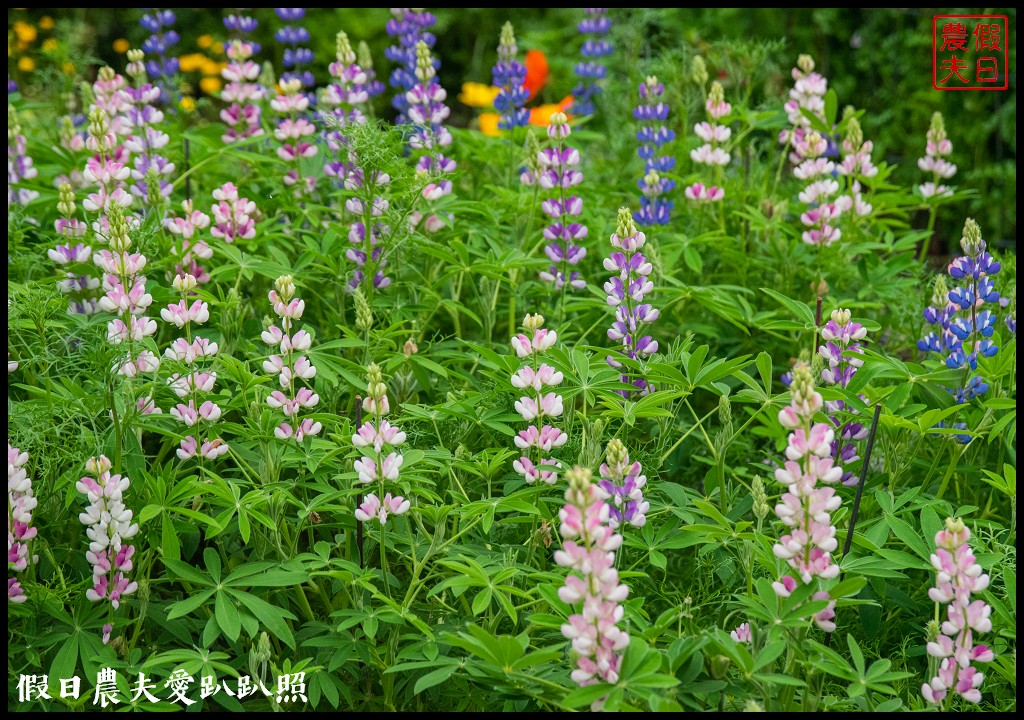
(971, 242)
(760, 498)
(724, 410)
(624, 226)
(806, 64)
(698, 71)
(364, 315)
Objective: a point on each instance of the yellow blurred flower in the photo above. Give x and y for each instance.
(478, 95)
(210, 85)
(46, 22)
(26, 64)
(489, 124)
(188, 104)
(218, 48)
(204, 41)
(211, 67)
(121, 45)
(68, 68)
(50, 44)
(192, 62)
(26, 33)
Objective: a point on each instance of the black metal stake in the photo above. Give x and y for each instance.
(860, 492)
(860, 483)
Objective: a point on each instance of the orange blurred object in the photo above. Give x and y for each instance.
(541, 115)
(536, 72)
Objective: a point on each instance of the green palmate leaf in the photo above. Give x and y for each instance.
(435, 677)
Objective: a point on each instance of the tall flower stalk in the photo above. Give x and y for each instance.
(106, 169)
(593, 586)
(192, 248)
(937, 148)
(410, 27)
(296, 57)
(20, 503)
(427, 112)
(841, 350)
(626, 291)
(559, 171)
(144, 119)
(820, 218)
(509, 75)
(192, 411)
(805, 505)
(163, 63)
(294, 131)
(126, 296)
(807, 94)
(957, 576)
(345, 102)
(234, 217)
(377, 439)
(78, 285)
(109, 526)
(965, 330)
(19, 164)
(591, 71)
(653, 135)
(538, 403)
(622, 482)
(242, 88)
(712, 153)
(856, 166)
(290, 367)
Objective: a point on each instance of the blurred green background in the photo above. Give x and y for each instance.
(877, 60)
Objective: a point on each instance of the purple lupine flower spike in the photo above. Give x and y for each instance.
(712, 153)
(509, 75)
(294, 131)
(411, 27)
(626, 291)
(965, 330)
(622, 484)
(808, 93)
(19, 164)
(296, 56)
(108, 526)
(344, 101)
(593, 588)
(72, 255)
(159, 45)
(378, 441)
(427, 112)
(144, 119)
(653, 136)
(558, 168)
(20, 504)
(957, 576)
(242, 88)
(290, 367)
(538, 405)
(591, 71)
(856, 166)
(840, 351)
(937, 148)
(805, 506)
